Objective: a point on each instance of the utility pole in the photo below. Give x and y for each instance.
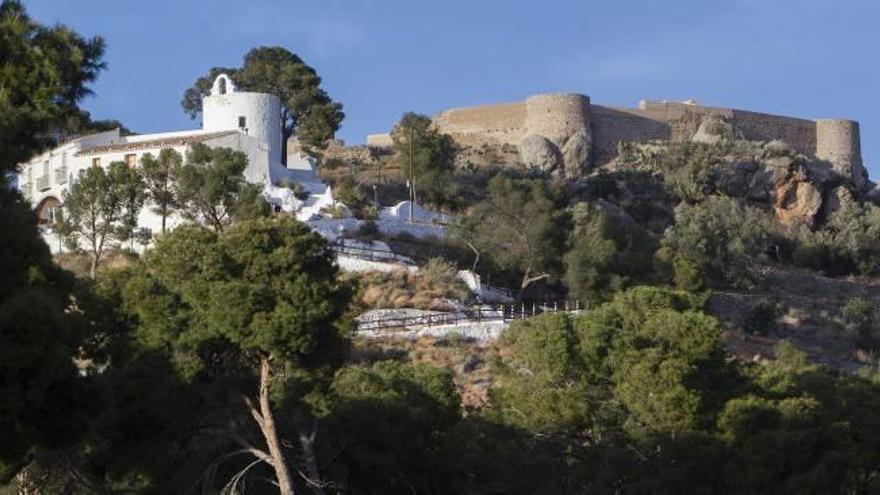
(412, 177)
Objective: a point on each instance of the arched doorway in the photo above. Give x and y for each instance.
(46, 211)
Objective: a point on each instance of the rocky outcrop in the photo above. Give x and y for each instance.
(538, 152)
(797, 200)
(576, 154)
(712, 130)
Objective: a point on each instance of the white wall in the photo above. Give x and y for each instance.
(261, 111)
(258, 170)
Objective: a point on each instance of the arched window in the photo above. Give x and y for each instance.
(222, 85)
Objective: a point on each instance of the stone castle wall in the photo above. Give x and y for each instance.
(493, 124)
(800, 134)
(557, 116)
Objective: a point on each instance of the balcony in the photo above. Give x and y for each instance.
(25, 188)
(43, 183)
(61, 175)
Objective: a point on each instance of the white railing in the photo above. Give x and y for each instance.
(43, 183)
(61, 175)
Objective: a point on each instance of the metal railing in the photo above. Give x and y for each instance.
(43, 183)
(371, 254)
(502, 313)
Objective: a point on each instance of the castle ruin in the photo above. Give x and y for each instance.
(566, 134)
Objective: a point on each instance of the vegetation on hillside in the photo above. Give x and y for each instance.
(222, 361)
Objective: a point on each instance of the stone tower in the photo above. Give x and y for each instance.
(838, 142)
(558, 137)
(257, 114)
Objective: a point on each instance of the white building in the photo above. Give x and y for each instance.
(244, 121)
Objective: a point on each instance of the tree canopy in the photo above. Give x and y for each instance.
(259, 301)
(425, 155)
(210, 187)
(525, 227)
(100, 207)
(308, 111)
(159, 173)
(46, 72)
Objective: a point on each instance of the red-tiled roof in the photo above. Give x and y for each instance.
(166, 142)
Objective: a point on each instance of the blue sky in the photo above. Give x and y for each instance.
(809, 58)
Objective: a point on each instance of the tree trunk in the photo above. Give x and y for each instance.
(164, 215)
(310, 459)
(526, 282)
(266, 421)
(93, 269)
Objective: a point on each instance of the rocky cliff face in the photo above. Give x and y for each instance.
(800, 190)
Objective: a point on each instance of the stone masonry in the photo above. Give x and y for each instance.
(568, 135)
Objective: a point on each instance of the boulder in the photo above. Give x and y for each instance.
(749, 179)
(537, 152)
(764, 181)
(777, 147)
(576, 154)
(713, 129)
(734, 178)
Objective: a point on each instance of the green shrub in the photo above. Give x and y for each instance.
(609, 251)
(368, 229)
(761, 319)
(717, 238)
(860, 315)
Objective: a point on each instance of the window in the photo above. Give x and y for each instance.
(222, 85)
(131, 160)
(96, 161)
(46, 168)
(242, 122)
(64, 159)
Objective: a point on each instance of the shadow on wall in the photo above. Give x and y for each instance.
(611, 126)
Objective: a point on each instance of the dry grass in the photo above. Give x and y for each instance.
(79, 263)
(430, 288)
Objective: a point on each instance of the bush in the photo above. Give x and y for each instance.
(609, 251)
(716, 240)
(687, 275)
(346, 190)
(761, 319)
(846, 245)
(299, 191)
(368, 230)
(860, 315)
(337, 211)
(438, 271)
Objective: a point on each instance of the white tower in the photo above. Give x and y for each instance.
(257, 114)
